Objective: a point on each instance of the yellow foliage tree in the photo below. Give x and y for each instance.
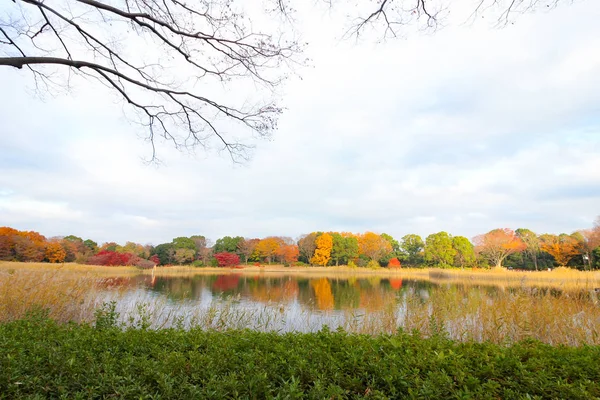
(268, 248)
(55, 252)
(324, 245)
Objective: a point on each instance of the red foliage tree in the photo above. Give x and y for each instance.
(394, 263)
(225, 259)
(111, 258)
(155, 259)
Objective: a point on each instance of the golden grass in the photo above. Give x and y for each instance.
(507, 316)
(65, 296)
(493, 305)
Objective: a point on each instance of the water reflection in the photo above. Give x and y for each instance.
(319, 294)
(360, 304)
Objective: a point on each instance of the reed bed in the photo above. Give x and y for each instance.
(565, 312)
(508, 316)
(64, 297)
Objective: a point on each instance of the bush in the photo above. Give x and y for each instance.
(394, 263)
(112, 258)
(225, 259)
(351, 264)
(198, 263)
(39, 358)
(361, 262)
(373, 264)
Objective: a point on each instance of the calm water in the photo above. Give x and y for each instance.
(360, 304)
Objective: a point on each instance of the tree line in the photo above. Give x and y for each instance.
(502, 247)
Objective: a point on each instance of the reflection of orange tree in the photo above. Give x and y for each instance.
(276, 293)
(323, 293)
(226, 282)
(396, 283)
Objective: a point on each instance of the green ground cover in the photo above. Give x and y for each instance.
(40, 358)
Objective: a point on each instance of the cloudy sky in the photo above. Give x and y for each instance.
(466, 130)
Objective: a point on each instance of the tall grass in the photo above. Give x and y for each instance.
(567, 312)
(65, 296)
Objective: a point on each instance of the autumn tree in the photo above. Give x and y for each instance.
(497, 244)
(439, 250)
(268, 248)
(307, 246)
(288, 253)
(246, 248)
(324, 244)
(227, 259)
(6, 248)
(412, 246)
(562, 247)
(465, 253)
(55, 253)
(590, 241)
(373, 246)
(394, 263)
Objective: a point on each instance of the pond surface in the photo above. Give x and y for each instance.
(361, 304)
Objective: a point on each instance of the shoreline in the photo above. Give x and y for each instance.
(559, 277)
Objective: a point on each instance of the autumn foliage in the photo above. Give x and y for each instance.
(498, 244)
(394, 263)
(111, 258)
(324, 245)
(55, 253)
(225, 259)
(563, 248)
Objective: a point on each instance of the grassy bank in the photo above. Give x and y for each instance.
(558, 277)
(42, 359)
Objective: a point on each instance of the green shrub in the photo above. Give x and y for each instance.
(42, 359)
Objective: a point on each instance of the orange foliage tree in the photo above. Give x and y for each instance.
(55, 253)
(288, 253)
(562, 247)
(373, 246)
(498, 244)
(394, 263)
(324, 243)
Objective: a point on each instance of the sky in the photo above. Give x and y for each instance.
(465, 130)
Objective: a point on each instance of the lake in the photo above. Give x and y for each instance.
(365, 304)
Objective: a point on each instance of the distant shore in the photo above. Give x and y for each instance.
(559, 277)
